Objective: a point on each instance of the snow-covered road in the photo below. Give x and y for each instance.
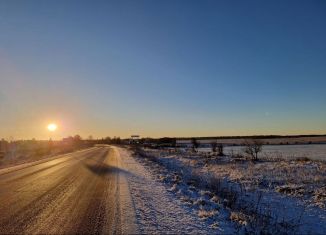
(100, 190)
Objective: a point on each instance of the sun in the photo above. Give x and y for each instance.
(52, 127)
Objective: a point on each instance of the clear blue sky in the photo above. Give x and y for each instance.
(162, 68)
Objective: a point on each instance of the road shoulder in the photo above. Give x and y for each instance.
(157, 211)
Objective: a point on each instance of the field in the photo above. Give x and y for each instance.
(284, 140)
(312, 151)
(273, 194)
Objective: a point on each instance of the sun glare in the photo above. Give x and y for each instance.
(52, 127)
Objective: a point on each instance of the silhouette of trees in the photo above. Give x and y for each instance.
(107, 140)
(77, 140)
(116, 140)
(4, 145)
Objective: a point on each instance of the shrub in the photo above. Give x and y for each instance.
(252, 148)
(303, 159)
(195, 144)
(214, 147)
(220, 150)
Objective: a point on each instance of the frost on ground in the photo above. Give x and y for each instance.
(301, 179)
(158, 210)
(269, 196)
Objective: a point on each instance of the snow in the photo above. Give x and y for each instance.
(159, 210)
(289, 195)
(313, 151)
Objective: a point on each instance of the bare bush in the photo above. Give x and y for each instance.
(195, 144)
(214, 146)
(252, 148)
(302, 159)
(220, 148)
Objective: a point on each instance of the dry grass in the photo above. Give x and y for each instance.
(223, 181)
(204, 214)
(239, 217)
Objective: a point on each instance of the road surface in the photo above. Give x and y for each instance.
(82, 192)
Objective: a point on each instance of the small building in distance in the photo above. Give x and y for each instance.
(134, 139)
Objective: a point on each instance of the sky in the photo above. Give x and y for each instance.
(162, 68)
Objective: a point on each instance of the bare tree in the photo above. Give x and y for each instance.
(252, 148)
(195, 144)
(214, 146)
(107, 140)
(220, 148)
(77, 140)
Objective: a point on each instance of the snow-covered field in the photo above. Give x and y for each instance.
(312, 151)
(282, 196)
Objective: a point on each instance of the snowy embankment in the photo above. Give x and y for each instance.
(160, 211)
(266, 196)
